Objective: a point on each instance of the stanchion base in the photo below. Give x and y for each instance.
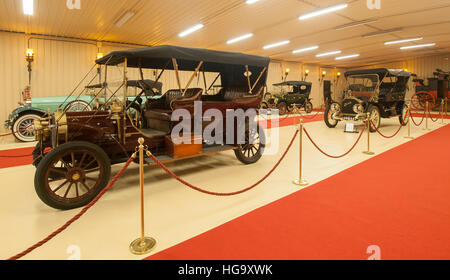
(142, 247)
(301, 183)
(369, 153)
(409, 137)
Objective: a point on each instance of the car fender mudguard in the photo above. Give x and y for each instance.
(22, 111)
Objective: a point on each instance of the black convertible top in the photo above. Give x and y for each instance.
(187, 58)
(382, 72)
(294, 83)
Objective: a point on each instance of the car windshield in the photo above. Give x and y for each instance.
(362, 85)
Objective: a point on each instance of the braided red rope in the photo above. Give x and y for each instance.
(335, 157)
(14, 132)
(395, 134)
(76, 217)
(222, 194)
(414, 122)
(431, 117)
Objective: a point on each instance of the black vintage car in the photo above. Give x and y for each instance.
(380, 92)
(290, 94)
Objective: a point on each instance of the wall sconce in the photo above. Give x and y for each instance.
(286, 73)
(99, 55)
(324, 73)
(306, 74)
(29, 58)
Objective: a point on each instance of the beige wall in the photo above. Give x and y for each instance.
(59, 66)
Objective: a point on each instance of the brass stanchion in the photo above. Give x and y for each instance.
(427, 114)
(369, 123)
(300, 181)
(142, 245)
(409, 124)
(442, 112)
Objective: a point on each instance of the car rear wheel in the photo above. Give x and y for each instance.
(23, 127)
(282, 108)
(253, 149)
(402, 117)
(308, 107)
(78, 106)
(328, 117)
(72, 175)
(375, 118)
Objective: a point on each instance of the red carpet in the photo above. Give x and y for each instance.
(287, 121)
(13, 161)
(398, 200)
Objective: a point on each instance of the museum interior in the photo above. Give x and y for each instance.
(224, 130)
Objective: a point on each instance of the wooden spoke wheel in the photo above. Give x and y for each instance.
(253, 149)
(282, 108)
(420, 99)
(308, 107)
(329, 112)
(71, 175)
(375, 118)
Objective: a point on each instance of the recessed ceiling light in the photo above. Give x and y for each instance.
(276, 44)
(125, 18)
(347, 56)
(328, 53)
(306, 49)
(403, 41)
(418, 46)
(357, 23)
(240, 38)
(249, 2)
(323, 11)
(382, 32)
(191, 30)
(28, 7)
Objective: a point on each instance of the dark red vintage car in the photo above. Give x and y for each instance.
(76, 149)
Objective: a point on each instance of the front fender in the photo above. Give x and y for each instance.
(21, 111)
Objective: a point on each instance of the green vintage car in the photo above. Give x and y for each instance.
(21, 120)
(290, 94)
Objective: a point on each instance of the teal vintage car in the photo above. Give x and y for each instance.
(21, 120)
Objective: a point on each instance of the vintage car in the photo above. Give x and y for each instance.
(290, 94)
(20, 121)
(75, 150)
(379, 92)
(436, 90)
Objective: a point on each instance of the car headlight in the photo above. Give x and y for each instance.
(358, 108)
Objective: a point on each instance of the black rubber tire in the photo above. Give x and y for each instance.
(18, 124)
(308, 107)
(240, 155)
(39, 178)
(372, 109)
(264, 105)
(327, 121)
(282, 111)
(402, 116)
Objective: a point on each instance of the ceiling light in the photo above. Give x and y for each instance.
(382, 32)
(403, 41)
(249, 2)
(28, 7)
(276, 44)
(126, 17)
(357, 23)
(190, 30)
(306, 49)
(418, 46)
(240, 38)
(323, 11)
(347, 56)
(328, 53)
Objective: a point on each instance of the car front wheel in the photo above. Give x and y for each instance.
(253, 148)
(23, 127)
(72, 175)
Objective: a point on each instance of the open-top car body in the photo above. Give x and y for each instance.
(290, 94)
(76, 149)
(379, 92)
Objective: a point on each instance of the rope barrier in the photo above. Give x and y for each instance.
(341, 156)
(431, 117)
(395, 134)
(222, 194)
(22, 156)
(76, 217)
(14, 132)
(423, 118)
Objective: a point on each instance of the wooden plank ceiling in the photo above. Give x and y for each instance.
(160, 22)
